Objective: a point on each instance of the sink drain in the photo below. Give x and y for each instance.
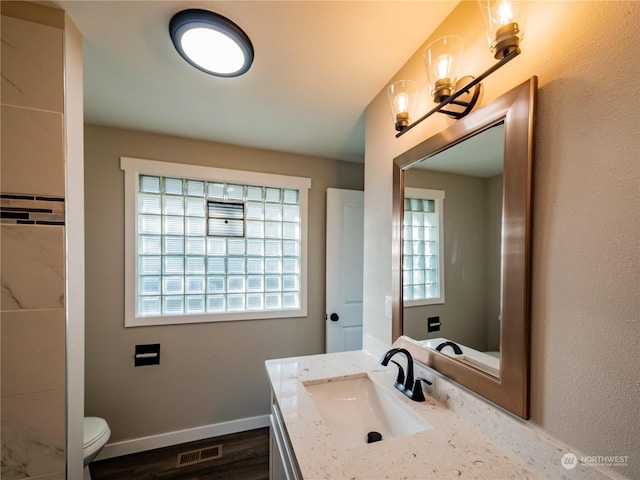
(373, 437)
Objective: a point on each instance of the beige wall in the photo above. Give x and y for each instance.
(212, 372)
(33, 255)
(585, 375)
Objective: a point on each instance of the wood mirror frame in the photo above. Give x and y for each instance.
(517, 109)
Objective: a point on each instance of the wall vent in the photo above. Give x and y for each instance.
(198, 456)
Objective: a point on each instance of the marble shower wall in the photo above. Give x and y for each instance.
(32, 248)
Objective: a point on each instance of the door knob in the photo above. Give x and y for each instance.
(334, 317)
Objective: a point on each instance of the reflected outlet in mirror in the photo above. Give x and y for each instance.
(355, 406)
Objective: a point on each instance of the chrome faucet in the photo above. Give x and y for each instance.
(410, 388)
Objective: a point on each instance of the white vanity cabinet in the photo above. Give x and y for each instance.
(282, 463)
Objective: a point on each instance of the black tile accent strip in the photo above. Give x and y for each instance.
(50, 199)
(17, 197)
(22, 215)
(25, 209)
(33, 210)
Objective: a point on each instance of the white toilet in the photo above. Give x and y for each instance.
(96, 435)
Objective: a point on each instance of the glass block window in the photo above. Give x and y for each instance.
(422, 259)
(211, 249)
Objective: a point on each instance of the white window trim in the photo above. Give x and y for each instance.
(438, 197)
(133, 167)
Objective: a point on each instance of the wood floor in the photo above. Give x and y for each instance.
(244, 456)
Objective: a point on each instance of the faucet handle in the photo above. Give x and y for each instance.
(400, 378)
(417, 394)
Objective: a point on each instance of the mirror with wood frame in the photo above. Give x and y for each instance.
(462, 249)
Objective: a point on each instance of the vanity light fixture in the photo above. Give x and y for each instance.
(442, 58)
(503, 20)
(211, 43)
(503, 31)
(402, 97)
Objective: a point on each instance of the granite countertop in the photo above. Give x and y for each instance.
(452, 449)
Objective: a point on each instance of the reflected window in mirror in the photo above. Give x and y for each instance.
(422, 263)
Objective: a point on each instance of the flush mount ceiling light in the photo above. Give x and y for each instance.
(211, 43)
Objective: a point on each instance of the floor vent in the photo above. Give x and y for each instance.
(198, 456)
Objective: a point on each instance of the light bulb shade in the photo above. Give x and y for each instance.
(442, 59)
(211, 43)
(402, 98)
(504, 23)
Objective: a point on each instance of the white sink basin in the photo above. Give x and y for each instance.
(354, 406)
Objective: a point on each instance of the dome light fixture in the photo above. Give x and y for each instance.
(211, 43)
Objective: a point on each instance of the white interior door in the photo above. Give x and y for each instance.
(345, 240)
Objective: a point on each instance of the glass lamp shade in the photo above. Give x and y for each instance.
(402, 98)
(442, 59)
(503, 20)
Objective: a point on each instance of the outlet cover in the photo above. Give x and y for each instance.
(147, 355)
(433, 324)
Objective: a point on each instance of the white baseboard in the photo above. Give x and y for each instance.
(168, 439)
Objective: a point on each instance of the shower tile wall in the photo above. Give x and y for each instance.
(32, 243)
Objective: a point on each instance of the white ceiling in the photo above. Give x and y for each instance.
(317, 66)
(481, 155)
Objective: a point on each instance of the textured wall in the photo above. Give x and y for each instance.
(33, 243)
(585, 382)
(210, 372)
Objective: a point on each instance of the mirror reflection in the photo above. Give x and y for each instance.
(483, 307)
(452, 238)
